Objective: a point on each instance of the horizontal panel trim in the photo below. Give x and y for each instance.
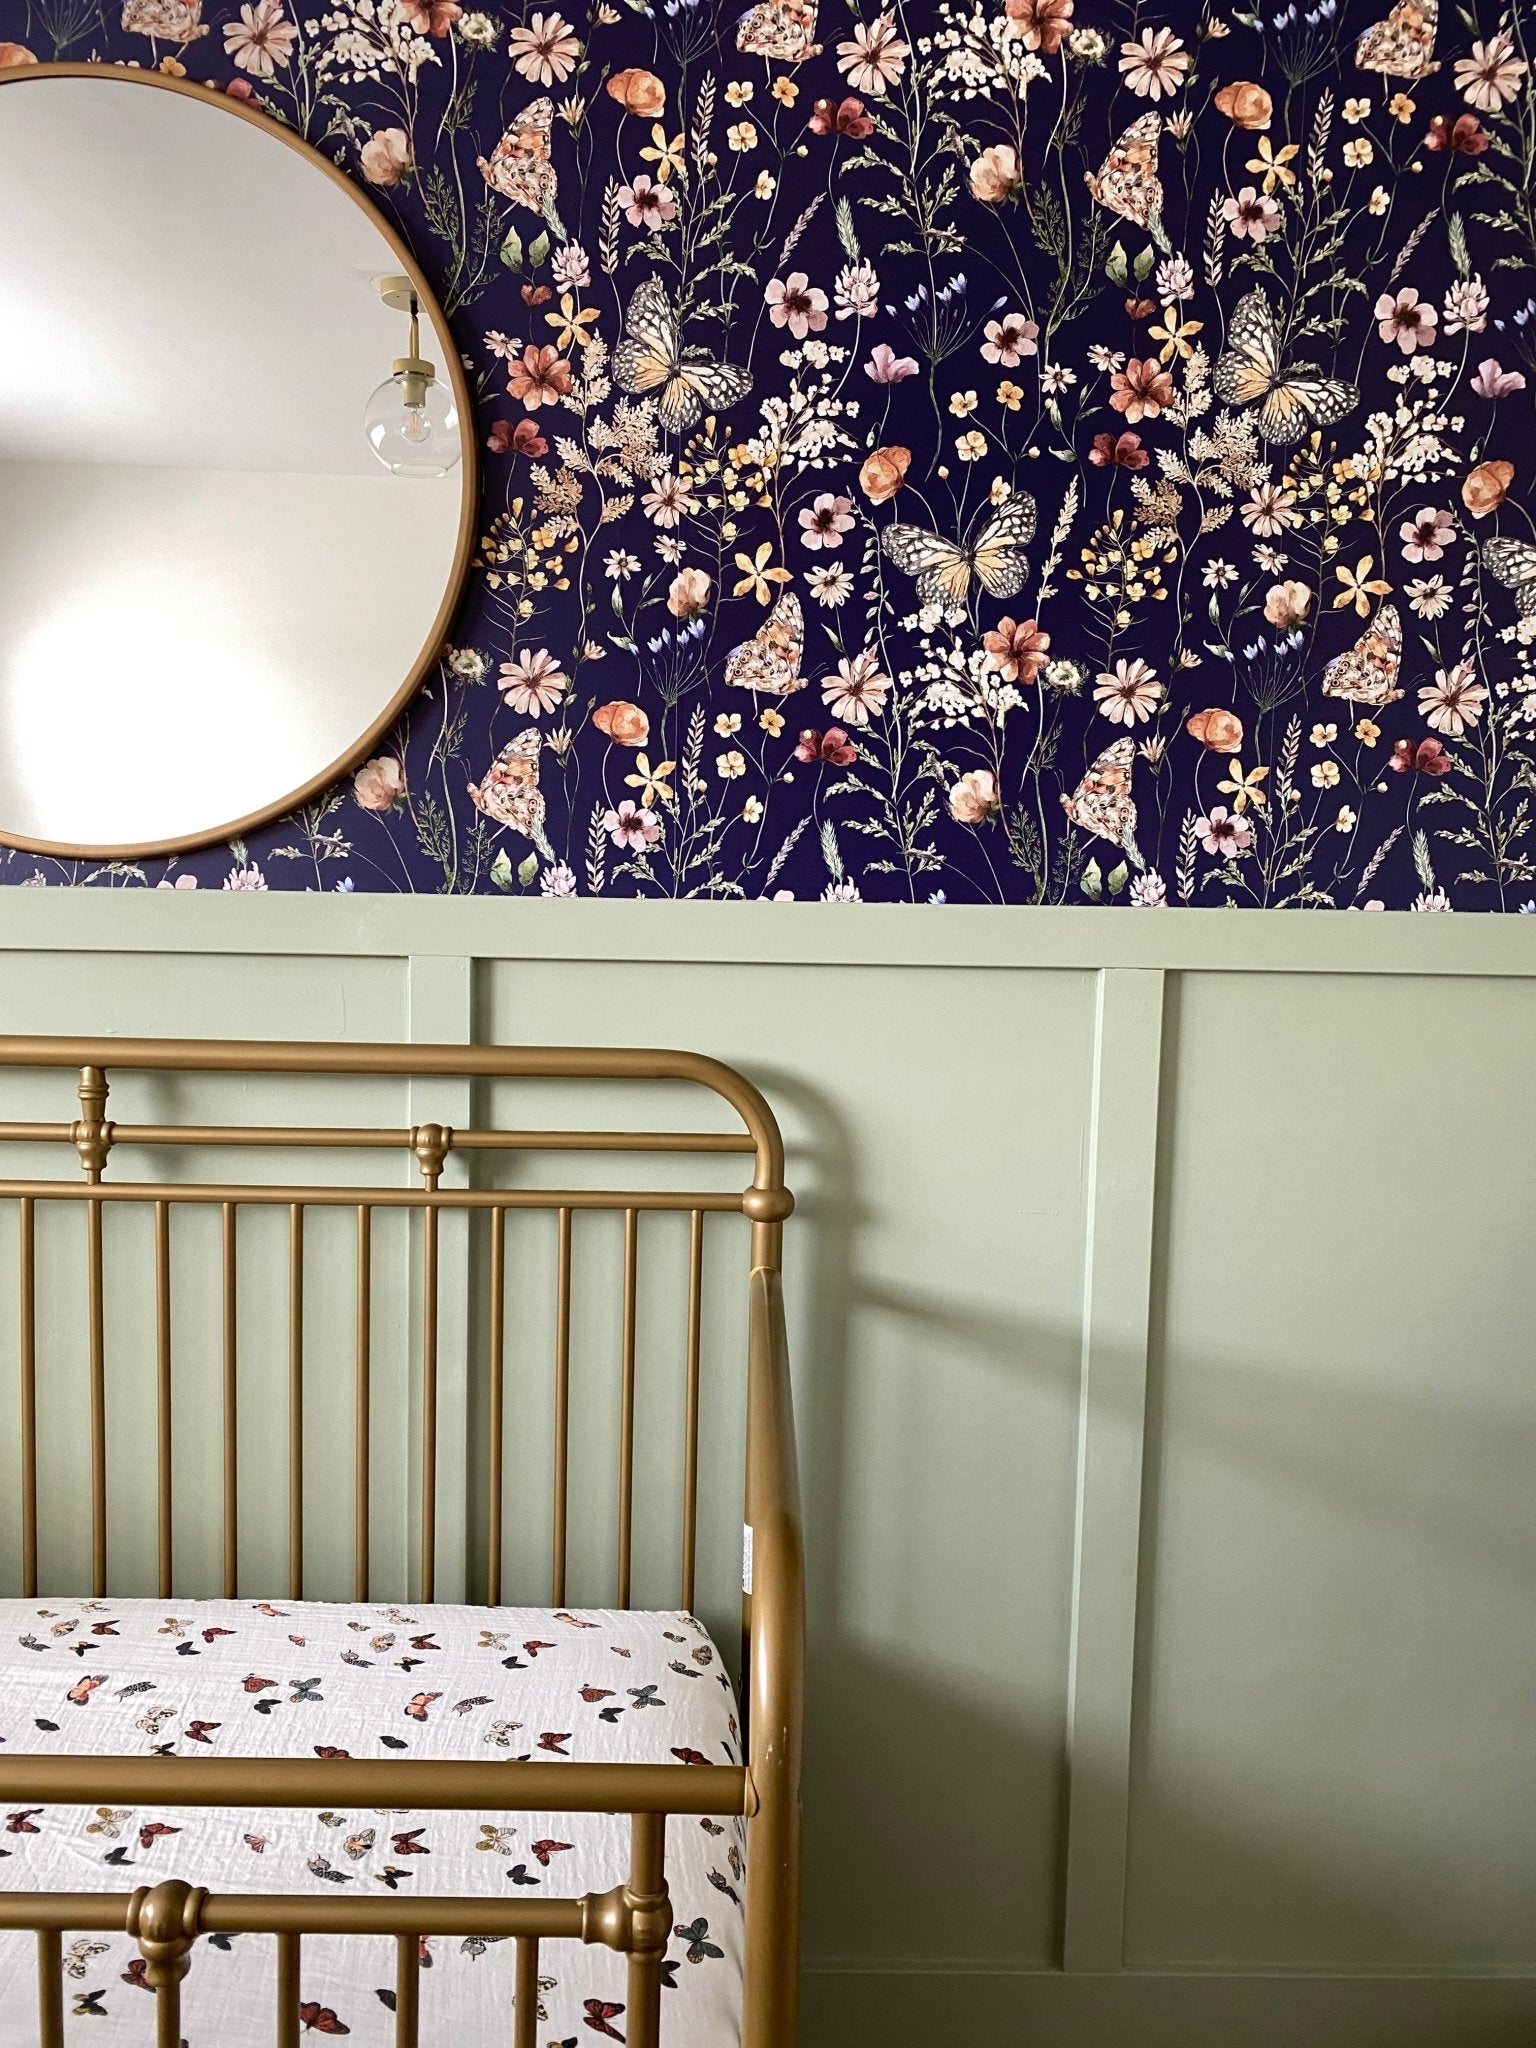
(786, 934)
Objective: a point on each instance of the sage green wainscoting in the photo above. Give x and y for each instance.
(1162, 1307)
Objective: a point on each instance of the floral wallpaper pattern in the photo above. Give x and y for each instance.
(1028, 451)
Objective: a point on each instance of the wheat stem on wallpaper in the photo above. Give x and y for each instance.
(1053, 451)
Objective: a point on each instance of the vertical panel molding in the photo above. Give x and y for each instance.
(440, 1010)
(1117, 1274)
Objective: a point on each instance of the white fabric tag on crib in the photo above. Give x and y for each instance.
(746, 1557)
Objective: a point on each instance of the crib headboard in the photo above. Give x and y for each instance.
(468, 1189)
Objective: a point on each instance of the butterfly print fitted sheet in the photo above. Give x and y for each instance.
(295, 1678)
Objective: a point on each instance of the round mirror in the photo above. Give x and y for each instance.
(236, 489)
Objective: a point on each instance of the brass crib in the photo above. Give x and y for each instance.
(634, 1916)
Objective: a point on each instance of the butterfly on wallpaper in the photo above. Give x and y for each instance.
(78, 1956)
(172, 21)
(722, 1883)
(690, 1756)
(519, 1875)
(409, 1843)
(468, 1706)
(135, 1974)
(109, 1821)
(320, 1866)
(1102, 801)
(782, 30)
(598, 2013)
(1403, 45)
(155, 1831)
(509, 790)
(771, 659)
(696, 1934)
(1291, 400)
(521, 168)
(543, 1851)
(1127, 182)
(1367, 672)
(945, 569)
(417, 1707)
(79, 1695)
(357, 1846)
(497, 1839)
(391, 1875)
(1513, 562)
(649, 358)
(500, 1733)
(88, 2004)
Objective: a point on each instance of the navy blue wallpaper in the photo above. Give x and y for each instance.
(1033, 452)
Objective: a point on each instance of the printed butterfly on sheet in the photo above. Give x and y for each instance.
(649, 358)
(1403, 45)
(1127, 182)
(1102, 801)
(1513, 562)
(1292, 400)
(944, 569)
(1367, 672)
(770, 661)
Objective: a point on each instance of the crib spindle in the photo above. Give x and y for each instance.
(27, 1219)
(691, 1427)
(93, 1139)
(231, 1420)
(429, 1265)
(525, 2020)
(627, 1408)
(407, 1990)
(50, 1988)
(98, 1347)
(498, 1373)
(562, 1406)
(363, 1478)
(165, 1537)
(287, 2035)
(296, 1401)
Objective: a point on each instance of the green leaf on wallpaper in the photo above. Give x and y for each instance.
(1118, 877)
(1117, 265)
(847, 234)
(1456, 236)
(501, 869)
(527, 871)
(538, 249)
(1144, 262)
(1092, 882)
(512, 250)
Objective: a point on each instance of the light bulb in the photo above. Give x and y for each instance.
(412, 424)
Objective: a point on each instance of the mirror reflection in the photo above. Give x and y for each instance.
(233, 499)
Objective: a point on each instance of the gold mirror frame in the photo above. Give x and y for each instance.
(469, 496)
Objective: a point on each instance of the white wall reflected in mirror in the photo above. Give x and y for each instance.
(209, 588)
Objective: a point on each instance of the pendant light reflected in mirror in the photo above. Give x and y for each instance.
(411, 421)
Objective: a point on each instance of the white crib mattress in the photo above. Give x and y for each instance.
(305, 1678)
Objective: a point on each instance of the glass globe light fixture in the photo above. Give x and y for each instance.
(412, 421)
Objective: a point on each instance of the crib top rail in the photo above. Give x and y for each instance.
(94, 1136)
